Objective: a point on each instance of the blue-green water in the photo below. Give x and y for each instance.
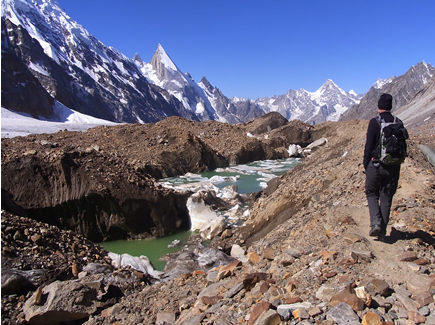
(250, 178)
(151, 248)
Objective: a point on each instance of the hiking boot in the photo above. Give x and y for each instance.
(374, 231)
(382, 237)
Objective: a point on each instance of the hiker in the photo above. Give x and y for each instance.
(381, 177)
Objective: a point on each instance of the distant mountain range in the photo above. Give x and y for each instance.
(48, 57)
(403, 89)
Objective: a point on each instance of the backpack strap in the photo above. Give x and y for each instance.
(378, 119)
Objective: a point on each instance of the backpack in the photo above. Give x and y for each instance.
(391, 148)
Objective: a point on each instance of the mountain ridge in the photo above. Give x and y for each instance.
(402, 88)
(74, 68)
(85, 75)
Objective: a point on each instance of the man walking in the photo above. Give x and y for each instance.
(381, 179)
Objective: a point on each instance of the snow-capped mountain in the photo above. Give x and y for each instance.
(403, 89)
(381, 82)
(47, 57)
(204, 100)
(163, 72)
(74, 68)
(325, 104)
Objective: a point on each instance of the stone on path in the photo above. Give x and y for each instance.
(257, 311)
(286, 311)
(165, 318)
(419, 282)
(253, 257)
(238, 252)
(376, 286)
(407, 256)
(371, 318)
(343, 314)
(351, 299)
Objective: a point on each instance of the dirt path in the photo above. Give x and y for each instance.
(386, 263)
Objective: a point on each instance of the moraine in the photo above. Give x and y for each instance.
(249, 178)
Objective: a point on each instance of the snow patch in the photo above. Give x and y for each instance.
(38, 68)
(21, 124)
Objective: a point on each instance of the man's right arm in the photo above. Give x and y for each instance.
(371, 141)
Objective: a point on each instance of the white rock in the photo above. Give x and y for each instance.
(326, 292)
(238, 252)
(318, 143)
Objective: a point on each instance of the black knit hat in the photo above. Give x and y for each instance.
(385, 102)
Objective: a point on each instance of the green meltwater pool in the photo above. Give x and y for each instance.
(248, 178)
(151, 248)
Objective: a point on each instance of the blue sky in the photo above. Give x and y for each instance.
(256, 49)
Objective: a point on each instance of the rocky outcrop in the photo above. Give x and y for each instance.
(61, 275)
(19, 86)
(266, 123)
(100, 183)
(98, 205)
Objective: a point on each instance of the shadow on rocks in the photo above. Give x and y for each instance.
(396, 235)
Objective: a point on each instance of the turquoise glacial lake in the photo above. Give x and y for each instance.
(248, 178)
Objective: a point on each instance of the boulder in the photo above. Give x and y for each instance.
(371, 318)
(326, 292)
(419, 282)
(165, 318)
(351, 299)
(60, 302)
(376, 286)
(194, 258)
(14, 283)
(269, 317)
(98, 268)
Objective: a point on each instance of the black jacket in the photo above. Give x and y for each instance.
(373, 135)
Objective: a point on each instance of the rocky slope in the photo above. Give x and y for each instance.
(302, 257)
(101, 182)
(403, 89)
(35, 255)
(420, 112)
(307, 252)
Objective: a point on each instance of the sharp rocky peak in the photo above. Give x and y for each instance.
(160, 58)
(329, 84)
(206, 83)
(137, 58)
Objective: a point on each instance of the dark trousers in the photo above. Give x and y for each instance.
(381, 184)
